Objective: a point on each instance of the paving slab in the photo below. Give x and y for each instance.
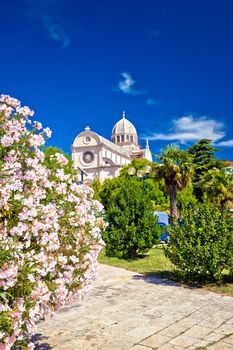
(125, 310)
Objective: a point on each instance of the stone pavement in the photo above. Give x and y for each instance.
(125, 310)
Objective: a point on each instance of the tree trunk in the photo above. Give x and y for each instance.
(132, 252)
(173, 204)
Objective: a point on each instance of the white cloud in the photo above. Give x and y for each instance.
(126, 85)
(152, 101)
(43, 11)
(228, 143)
(189, 128)
(56, 31)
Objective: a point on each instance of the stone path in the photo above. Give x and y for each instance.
(125, 310)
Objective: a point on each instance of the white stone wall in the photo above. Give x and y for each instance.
(98, 159)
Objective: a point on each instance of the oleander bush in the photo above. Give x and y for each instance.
(49, 227)
(201, 248)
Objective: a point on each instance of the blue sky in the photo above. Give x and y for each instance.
(167, 63)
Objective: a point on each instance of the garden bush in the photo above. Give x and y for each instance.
(49, 227)
(202, 246)
(132, 226)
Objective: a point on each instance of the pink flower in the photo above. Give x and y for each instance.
(61, 159)
(6, 110)
(13, 102)
(8, 275)
(25, 111)
(37, 125)
(39, 154)
(47, 132)
(36, 140)
(47, 221)
(4, 346)
(20, 229)
(7, 141)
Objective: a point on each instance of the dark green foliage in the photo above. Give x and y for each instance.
(186, 198)
(106, 192)
(204, 159)
(202, 247)
(155, 191)
(132, 227)
(97, 186)
(203, 156)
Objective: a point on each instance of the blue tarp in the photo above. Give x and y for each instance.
(162, 221)
(162, 217)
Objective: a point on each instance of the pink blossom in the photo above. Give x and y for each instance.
(7, 110)
(20, 229)
(25, 111)
(37, 125)
(7, 141)
(47, 205)
(11, 156)
(61, 159)
(98, 205)
(13, 102)
(4, 307)
(39, 154)
(8, 275)
(61, 174)
(31, 278)
(4, 346)
(47, 132)
(36, 140)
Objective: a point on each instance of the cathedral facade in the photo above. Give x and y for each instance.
(98, 158)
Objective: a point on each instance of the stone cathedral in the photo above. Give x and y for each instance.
(98, 158)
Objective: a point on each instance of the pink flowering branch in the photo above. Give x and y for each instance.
(50, 228)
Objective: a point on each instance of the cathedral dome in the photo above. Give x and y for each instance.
(124, 126)
(124, 132)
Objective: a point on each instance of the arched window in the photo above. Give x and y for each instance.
(122, 138)
(131, 138)
(127, 137)
(118, 138)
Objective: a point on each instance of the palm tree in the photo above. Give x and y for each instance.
(176, 169)
(217, 185)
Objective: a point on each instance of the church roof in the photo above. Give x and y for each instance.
(124, 126)
(113, 146)
(102, 140)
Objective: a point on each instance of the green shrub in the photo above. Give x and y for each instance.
(201, 248)
(132, 226)
(186, 198)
